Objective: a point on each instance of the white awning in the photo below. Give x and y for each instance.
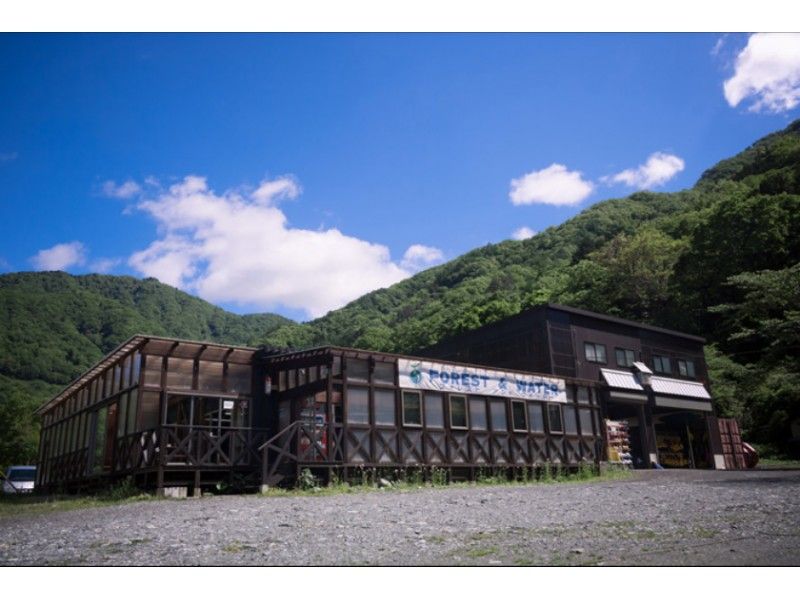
(680, 388)
(621, 379)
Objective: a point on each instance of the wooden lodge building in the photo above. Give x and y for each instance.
(551, 386)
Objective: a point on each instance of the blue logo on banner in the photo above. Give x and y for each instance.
(415, 375)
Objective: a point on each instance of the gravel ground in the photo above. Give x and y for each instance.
(653, 518)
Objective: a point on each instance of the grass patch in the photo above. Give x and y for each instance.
(28, 505)
(476, 553)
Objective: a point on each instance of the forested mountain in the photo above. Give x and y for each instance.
(54, 325)
(719, 260)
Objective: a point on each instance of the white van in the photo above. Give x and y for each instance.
(19, 479)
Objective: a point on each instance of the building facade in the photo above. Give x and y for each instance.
(535, 390)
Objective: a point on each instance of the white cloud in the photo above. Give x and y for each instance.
(60, 257)
(523, 233)
(720, 43)
(237, 247)
(554, 185)
(126, 190)
(104, 265)
(419, 257)
(280, 188)
(658, 169)
(767, 71)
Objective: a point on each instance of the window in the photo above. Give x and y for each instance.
(586, 422)
(518, 418)
(498, 411)
(357, 405)
(686, 368)
(209, 376)
(412, 408)
(239, 378)
(383, 373)
(477, 413)
(661, 364)
(357, 370)
(536, 417)
(152, 373)
(583, 395)
(434, 416)
(458, 411)
(625, 357)
(179, 372)
(594, 352)
(570, 420)
(554, 419)
(133, 405)
(384, 407)
(149, 416)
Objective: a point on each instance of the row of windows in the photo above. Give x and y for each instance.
(357, 370)
(596, 353)
(473, 412)
(210, 376)
(115, 378)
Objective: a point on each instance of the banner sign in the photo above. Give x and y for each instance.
(446, 377)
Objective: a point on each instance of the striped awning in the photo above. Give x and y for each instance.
(679, 388)
(621, 379)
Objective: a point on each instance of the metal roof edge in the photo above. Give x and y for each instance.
(617, 320)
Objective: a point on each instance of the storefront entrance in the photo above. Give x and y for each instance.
(631, 416)
(682, 439)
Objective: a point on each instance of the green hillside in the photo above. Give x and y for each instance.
(54, 325)
(719, 260)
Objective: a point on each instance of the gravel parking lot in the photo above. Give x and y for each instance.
(653, 518)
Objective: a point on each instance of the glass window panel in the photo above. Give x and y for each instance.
(133, 404)
(586, 422)
(207, 412)
(209, 376)
(601, 353)
(312, 374)
(383, 373)
(291, 379)
(239, 378)
(570, 420)
(458, 411)
(434, 411)
(152, 370)
(117, 378)
(384, 407)
(357, 370)
(149, 410)
(126, 372)
(302, 377)
(241, 414)
(477, 413)
(498, 410)
(136, 367)
(519, 420)
(336, 367)
(123, 415)
(99, 440)
(357, 405)
(178, 410)
(336, 399)
(179, 372)
(412, 408)
(690, 369)
(583, 395)
(554, 419)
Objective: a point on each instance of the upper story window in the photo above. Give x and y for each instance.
(594, 352)
(661, 364)
(625, 357)
(686, 368)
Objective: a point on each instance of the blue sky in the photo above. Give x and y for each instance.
(293, 173)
